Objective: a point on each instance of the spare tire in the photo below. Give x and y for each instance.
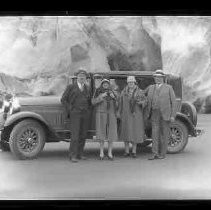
(190, 111)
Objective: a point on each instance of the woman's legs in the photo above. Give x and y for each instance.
(101, 149)
(127, 147)
(134, 147)
(110, 147)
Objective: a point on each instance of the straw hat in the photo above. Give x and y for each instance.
(159, 73)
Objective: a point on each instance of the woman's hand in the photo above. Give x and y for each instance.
(103, 95)
(112, 95)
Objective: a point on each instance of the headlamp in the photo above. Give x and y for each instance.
(11, 104)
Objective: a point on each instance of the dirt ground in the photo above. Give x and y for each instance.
(52, 176)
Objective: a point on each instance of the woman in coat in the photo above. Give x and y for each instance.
(132, 102)
(106, 101)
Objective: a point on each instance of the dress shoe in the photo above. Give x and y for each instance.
(110, 157)
(133, 155)
(161, 157)
(153, 157)
(82, 158)
(74, 160)
(126, 154)
(101, 157)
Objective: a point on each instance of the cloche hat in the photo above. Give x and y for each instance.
(131, 79)
(105, 80)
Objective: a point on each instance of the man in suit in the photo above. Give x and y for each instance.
(161, 110)
(77, 101)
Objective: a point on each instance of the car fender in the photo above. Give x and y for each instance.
(26, 114)
(192, 108)
(183, 118)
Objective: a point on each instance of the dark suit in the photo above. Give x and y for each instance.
(77, 104)
(161, 107)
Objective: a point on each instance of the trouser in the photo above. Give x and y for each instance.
(160, 133)
(80, 122)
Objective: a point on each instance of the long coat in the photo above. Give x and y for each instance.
(131, 115)
(167, 101)
(106, 117)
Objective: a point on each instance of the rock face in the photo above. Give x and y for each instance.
(13, 85)
(45, 50)
(39, 53)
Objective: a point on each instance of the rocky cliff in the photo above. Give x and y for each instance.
(40, 52)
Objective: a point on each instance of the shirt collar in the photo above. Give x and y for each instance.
(158, 85)
(80, 85)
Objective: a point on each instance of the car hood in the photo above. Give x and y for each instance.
(40, 100)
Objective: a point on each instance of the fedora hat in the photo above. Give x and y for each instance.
(131, 79)
(81, 71)
(159, 73)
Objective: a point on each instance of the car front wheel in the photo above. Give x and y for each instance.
(27, 139)
(178, 137)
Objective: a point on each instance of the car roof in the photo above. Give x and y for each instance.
(124, 73)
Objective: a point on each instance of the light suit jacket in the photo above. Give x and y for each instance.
(167, 101)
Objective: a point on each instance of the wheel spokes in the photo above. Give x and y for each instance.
(28, 140)
(175, 137)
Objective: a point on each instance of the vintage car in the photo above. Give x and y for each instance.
(30, 122)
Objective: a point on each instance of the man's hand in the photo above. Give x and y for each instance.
(172, 119)
(118, 115)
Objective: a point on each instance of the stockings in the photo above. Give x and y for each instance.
(110, 146)
(127, 147)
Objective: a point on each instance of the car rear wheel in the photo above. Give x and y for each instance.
(27, 139)
(178, 137)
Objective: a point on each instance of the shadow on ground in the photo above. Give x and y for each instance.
(91, 152)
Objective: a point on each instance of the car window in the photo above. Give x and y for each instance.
(73, 80)
(144, 82)
(176, 84)
(116, 83)
(119, 83)
(97, 83)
